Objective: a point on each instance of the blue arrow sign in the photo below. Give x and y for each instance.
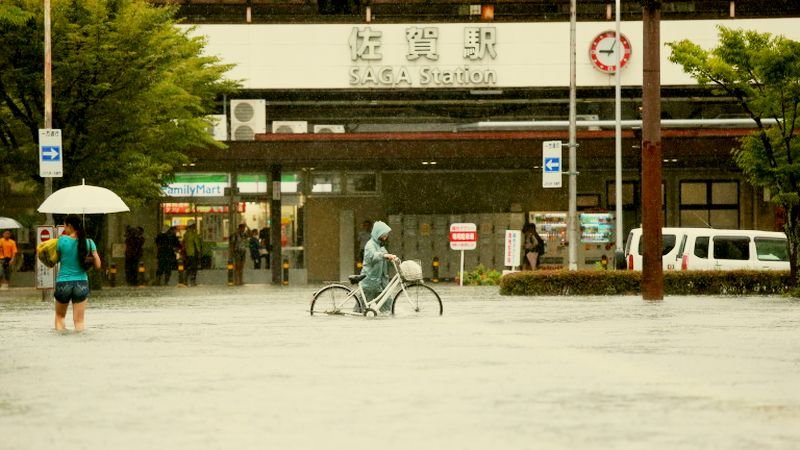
(51, 153)
(552, 164)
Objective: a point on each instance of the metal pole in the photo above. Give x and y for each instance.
(48, 95)
(618, 140)
(572, 220)
(275, 225)
(652, 271)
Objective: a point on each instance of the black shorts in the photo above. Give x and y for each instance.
(76, 291)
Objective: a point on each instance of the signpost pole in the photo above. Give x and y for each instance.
(461, 272)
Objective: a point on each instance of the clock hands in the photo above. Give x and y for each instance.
(610, 50)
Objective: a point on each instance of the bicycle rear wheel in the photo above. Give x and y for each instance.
(336, 299)
(417, 299)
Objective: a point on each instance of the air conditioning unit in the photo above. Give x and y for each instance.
(289, 127)
(248, 118)
(218, 126)
(328, 128)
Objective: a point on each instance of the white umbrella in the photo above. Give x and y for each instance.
(83, 199)
(8, 223)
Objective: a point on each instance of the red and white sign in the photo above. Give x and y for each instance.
(45, 276)
(513, 245)
(463, 236)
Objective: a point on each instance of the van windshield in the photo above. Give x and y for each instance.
(771, 249)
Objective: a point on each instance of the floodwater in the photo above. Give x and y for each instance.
(247, 368)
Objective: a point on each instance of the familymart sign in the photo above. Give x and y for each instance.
(214, 184)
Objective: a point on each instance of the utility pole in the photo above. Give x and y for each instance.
(48, 95)
(652, 271)
(572, 220)
(619, 254)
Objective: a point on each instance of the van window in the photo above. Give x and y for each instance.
(732, 247)
(771, 249)
(701, 247)
(667, 244)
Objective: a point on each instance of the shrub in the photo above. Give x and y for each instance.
(482, 276)
(621, 282)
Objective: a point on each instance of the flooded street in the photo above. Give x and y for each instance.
(241, 368)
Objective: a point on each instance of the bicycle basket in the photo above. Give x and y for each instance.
(411, 270)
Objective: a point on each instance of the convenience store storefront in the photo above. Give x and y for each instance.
(202, 198)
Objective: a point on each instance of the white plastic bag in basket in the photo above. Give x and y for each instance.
(411, 270)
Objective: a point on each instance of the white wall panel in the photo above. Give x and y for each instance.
(528, 54)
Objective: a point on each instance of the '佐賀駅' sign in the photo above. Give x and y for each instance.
(420, 65)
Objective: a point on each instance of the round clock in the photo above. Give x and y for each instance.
(606, 50)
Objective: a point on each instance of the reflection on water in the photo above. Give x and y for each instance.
(248, 367)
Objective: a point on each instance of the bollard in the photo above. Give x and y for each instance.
(285, 272)
(230, 272)
(112, 274)
(181, 274)
(435, 264)
(359, 266)
(140, 274)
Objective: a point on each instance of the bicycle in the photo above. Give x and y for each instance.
(406, 289)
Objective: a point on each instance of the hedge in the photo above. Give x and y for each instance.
(626, 282)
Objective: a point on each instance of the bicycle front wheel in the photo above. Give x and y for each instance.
(336, 299)
(417, 299)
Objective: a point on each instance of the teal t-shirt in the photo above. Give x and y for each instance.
(70, 268)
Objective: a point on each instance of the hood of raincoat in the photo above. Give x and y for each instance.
(379, 229)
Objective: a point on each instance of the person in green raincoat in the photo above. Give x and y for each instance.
(376, 263)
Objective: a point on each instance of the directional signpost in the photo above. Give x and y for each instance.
(551, 164)
(463, 236)
(51, 162)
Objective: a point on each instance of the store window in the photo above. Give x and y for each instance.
(362, 183)
(326, 183)
(709, 204)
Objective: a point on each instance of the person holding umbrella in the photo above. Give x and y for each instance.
(8, 252)
(77, 255)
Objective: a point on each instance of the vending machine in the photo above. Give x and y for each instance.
(597, 239)
(552, 227)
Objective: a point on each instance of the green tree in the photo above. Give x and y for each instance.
(130, 92)
(762, 72)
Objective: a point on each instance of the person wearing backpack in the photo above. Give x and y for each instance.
(77, 254)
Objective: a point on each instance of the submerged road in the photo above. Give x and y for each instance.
(247, 368)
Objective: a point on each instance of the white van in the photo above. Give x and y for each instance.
(714, 249)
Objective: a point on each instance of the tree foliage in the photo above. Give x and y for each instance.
(130, 92)
(762, 72)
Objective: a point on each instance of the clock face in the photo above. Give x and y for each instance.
(606, 51)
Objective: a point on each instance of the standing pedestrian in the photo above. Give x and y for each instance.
(255, 249)
(193, 249)
(134, 247)
(8, 254)
(364, 237)
(77, 254)
(265, 249)
(167, 244)
(239, 245)
(533, 245)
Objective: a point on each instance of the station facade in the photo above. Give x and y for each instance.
(427, 124)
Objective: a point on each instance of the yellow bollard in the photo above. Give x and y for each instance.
(285, 272)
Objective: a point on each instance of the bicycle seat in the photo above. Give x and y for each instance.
(354, 279)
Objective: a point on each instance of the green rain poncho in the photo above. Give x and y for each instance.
(376, 267)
